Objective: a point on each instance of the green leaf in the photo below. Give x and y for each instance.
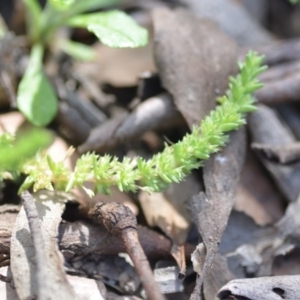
(77, 50)
(36, 98)
(113, 28)
(25, 146)
(62, 4)
(33, 18)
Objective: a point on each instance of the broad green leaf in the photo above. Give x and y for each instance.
(62, 4)
(113, 28)
(77, 50)
(36, 98)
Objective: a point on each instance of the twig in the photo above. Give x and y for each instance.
(121, 222)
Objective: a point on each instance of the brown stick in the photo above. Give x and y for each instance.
(120, 221)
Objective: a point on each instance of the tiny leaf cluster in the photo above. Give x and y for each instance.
(36, 98)
(172, 164)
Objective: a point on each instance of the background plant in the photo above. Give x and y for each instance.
(171, 165)
(36, 98)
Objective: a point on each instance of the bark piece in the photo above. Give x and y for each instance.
(212, 208)
(197, 71)
(263, 288)
(266, 128)
(24, 266)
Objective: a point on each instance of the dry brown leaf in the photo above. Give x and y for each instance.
(285, 176)
(167, 211)
(119, 67)
(212, 208)
(197, 71)
(233, 18)
(50, 207)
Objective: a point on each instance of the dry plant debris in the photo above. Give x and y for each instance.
(246, 215)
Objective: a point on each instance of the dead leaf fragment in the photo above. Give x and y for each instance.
(285, 176)
(167, 211)
(233, 18)
(212, 208)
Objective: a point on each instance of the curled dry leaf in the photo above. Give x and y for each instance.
(194, 82)
(263, 288)
(212, 208)
(50, 207)
(285, 176)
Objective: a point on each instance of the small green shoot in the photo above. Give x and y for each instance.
(36, 98)
(171, 165)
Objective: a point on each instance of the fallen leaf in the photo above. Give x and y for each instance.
(286, 176)
(197, 72)
(167, 211)
(212, 208)
(227, 14)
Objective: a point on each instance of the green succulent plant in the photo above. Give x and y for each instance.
(172, 164)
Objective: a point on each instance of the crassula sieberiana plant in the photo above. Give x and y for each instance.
(172, 164)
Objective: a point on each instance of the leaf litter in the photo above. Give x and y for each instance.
(247, 222)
